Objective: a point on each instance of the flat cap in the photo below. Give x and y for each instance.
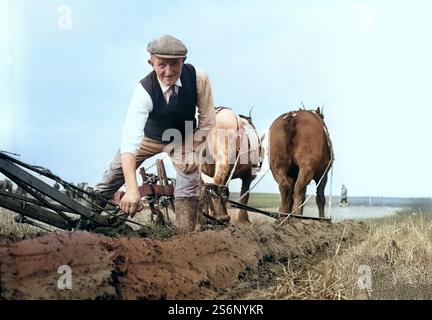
(167, 47)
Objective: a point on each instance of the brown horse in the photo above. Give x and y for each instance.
(233, 149)
(300, 150)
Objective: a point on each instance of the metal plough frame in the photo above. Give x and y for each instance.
(52, 207)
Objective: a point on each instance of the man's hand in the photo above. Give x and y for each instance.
(131, 202)
(191, 167)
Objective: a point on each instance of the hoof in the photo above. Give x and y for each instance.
(243, 220)
(224, 218)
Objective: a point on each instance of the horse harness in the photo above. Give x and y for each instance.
(249, 120)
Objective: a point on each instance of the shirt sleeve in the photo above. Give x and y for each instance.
(133, 130)
(206, 109)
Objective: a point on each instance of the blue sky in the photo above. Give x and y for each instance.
(65, 92)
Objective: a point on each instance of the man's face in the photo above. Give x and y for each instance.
(168, 70)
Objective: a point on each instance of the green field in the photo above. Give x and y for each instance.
(260, 200)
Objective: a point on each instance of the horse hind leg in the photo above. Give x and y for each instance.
(303, 179)
(286, 184)
(243, 215)
(320, 198)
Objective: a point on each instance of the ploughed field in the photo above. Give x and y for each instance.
(386, 257)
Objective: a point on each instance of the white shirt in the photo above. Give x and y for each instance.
(141, 105)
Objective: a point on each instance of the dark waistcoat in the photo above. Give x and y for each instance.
(163, 116)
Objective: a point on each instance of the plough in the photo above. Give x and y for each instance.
(49, 206)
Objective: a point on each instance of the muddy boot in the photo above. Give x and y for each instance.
(186, 210)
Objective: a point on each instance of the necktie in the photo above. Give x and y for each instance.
(173, 98)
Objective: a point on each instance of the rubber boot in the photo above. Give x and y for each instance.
(186, 211)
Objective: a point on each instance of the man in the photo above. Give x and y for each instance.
(166, 99)
(344, 196)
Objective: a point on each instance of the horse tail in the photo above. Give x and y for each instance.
(290, 131)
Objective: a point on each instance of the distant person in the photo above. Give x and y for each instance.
(344, 196)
